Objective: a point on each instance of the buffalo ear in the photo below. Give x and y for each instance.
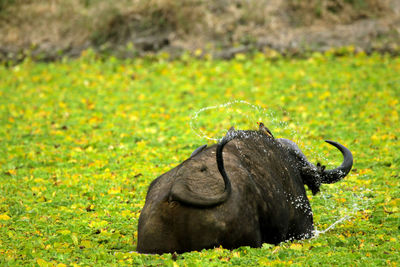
(201, 194)
(197, 183)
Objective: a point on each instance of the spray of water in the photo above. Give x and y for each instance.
(212, 123)
(238, 113)
(358, 202)
(317, 233)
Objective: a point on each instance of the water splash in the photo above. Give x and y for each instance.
(317, 232)
(238, 113)
(212, 123)
(356, 203)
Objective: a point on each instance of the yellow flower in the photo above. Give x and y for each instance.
(4, 217)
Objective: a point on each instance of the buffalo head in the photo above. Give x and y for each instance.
(246, 190)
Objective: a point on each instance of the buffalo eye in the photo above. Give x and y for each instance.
(203, 168)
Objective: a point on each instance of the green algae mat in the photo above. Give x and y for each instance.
(81, 140)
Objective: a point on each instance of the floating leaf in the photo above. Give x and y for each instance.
(74, 238)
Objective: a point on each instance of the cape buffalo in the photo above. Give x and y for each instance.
(246, 190)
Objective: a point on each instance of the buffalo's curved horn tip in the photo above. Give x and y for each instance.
(334, 175)
(198, 150)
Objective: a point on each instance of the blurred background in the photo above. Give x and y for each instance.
(49, 29)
